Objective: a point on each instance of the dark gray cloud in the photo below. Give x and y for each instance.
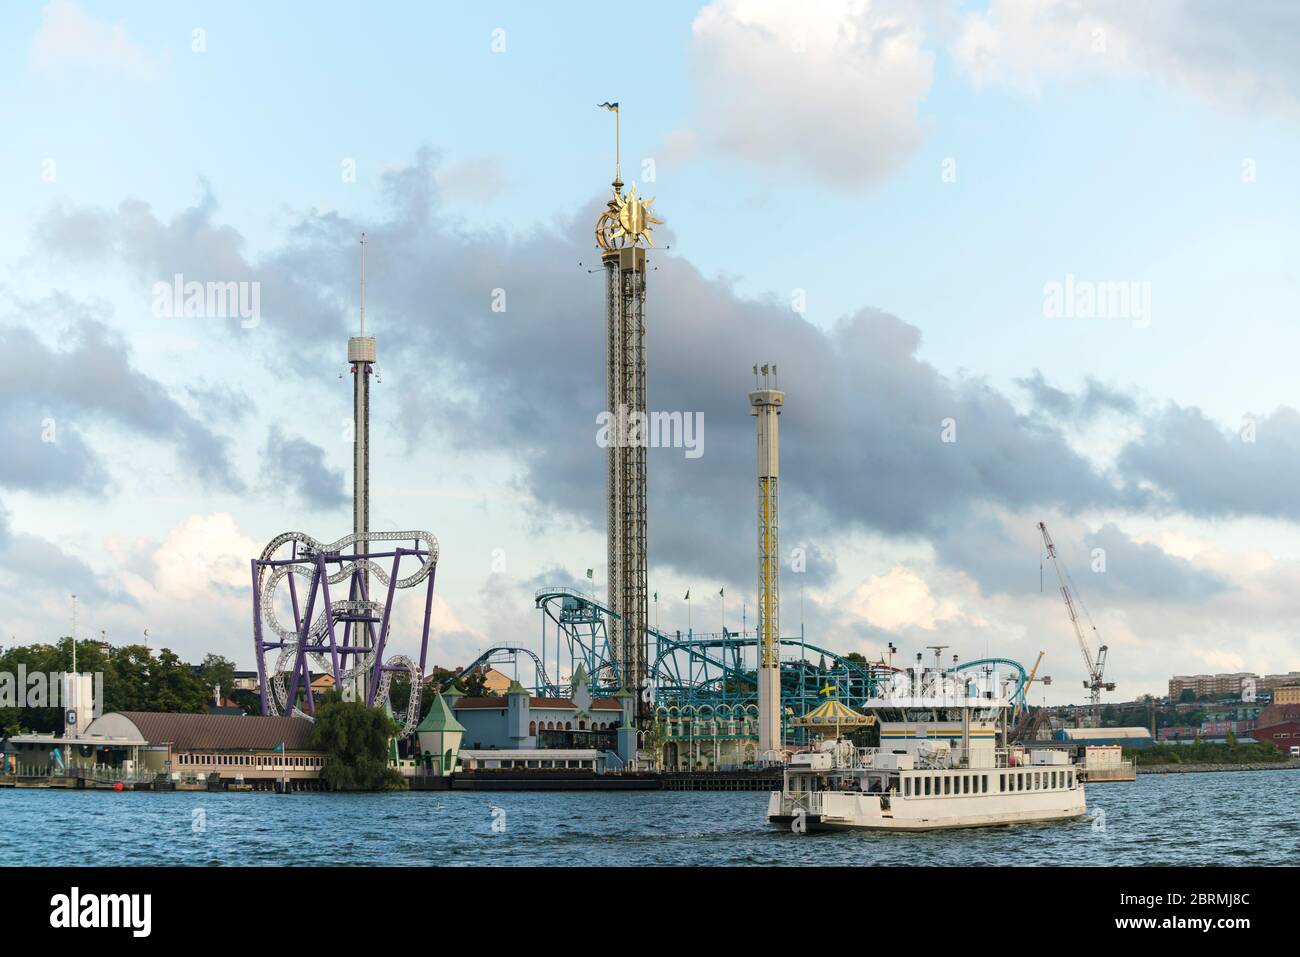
(1204, 470)
(85, 382)
(1095, 399)
(294, 465)
(1144, 571)
(1011, 559)
(44, 450)
(862, 431)
(30, 562)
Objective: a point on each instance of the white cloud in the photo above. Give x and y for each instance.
(70, 37)
(832, 88)
(1221, 660)
(900, 599)
(1218, 51)
(200, 552)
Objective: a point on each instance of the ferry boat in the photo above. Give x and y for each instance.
(942, 763)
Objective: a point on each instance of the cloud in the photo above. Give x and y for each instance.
(1096, 399)
(479, 180)
(298, 466)
(69, 39)
(1214, 50)
(30, 564)
(863, 430)
(220, 403)
(899, 599)
(55, 397)
(202, 553)
(1002, 552)
(1203, 469)
(830, 88)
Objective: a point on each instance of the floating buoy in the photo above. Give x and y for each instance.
(118, 786)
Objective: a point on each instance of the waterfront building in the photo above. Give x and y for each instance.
(1126, 737)
(494, 682)
(1277, 713)
(518, 720)
(1283, 736)
(543, 759)
(439, 736)
(140, 745)
(1243, 683)
(1287, 694)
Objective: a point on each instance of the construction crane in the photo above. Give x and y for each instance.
(1096, 665)
(1029, 682)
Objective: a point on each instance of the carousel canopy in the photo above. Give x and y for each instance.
(831, 715)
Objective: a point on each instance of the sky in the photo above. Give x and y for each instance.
(924, 213)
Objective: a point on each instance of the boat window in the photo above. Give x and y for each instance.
(927, 787)
(907, 787)
(965, 784)
(984, 784)
(1020, 780)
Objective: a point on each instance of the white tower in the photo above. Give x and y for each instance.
(75, 692)
(361, 359)
(765, 405)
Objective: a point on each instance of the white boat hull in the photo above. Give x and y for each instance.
(838, 811)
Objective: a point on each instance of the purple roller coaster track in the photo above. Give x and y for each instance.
(355, 649)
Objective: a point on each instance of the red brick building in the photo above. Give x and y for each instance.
(1285, 735)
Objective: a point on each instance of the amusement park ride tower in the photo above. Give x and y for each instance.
(623, 233)
(765, 405)
(361, 359)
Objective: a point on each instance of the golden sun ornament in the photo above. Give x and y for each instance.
(628, 221)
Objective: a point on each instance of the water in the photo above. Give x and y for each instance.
(1229, 818)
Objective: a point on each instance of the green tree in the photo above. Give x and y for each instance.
(129, 689)
(173, 685)
(355, 740)
(218, 672)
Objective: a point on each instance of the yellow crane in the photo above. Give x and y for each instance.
(1032, 671)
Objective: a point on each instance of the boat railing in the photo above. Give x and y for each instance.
(807, 801)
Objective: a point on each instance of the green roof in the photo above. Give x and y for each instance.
(516, 687)
(440, 717)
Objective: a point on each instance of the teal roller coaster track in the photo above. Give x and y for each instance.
(716, 671)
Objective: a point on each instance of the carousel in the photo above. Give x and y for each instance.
(832, 720)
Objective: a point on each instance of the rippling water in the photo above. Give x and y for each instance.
(1244, 817)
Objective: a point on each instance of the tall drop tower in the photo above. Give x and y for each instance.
(361, 359)
(765, 405)
(623, 233)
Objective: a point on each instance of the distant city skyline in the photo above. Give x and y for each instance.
(1016, 264)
